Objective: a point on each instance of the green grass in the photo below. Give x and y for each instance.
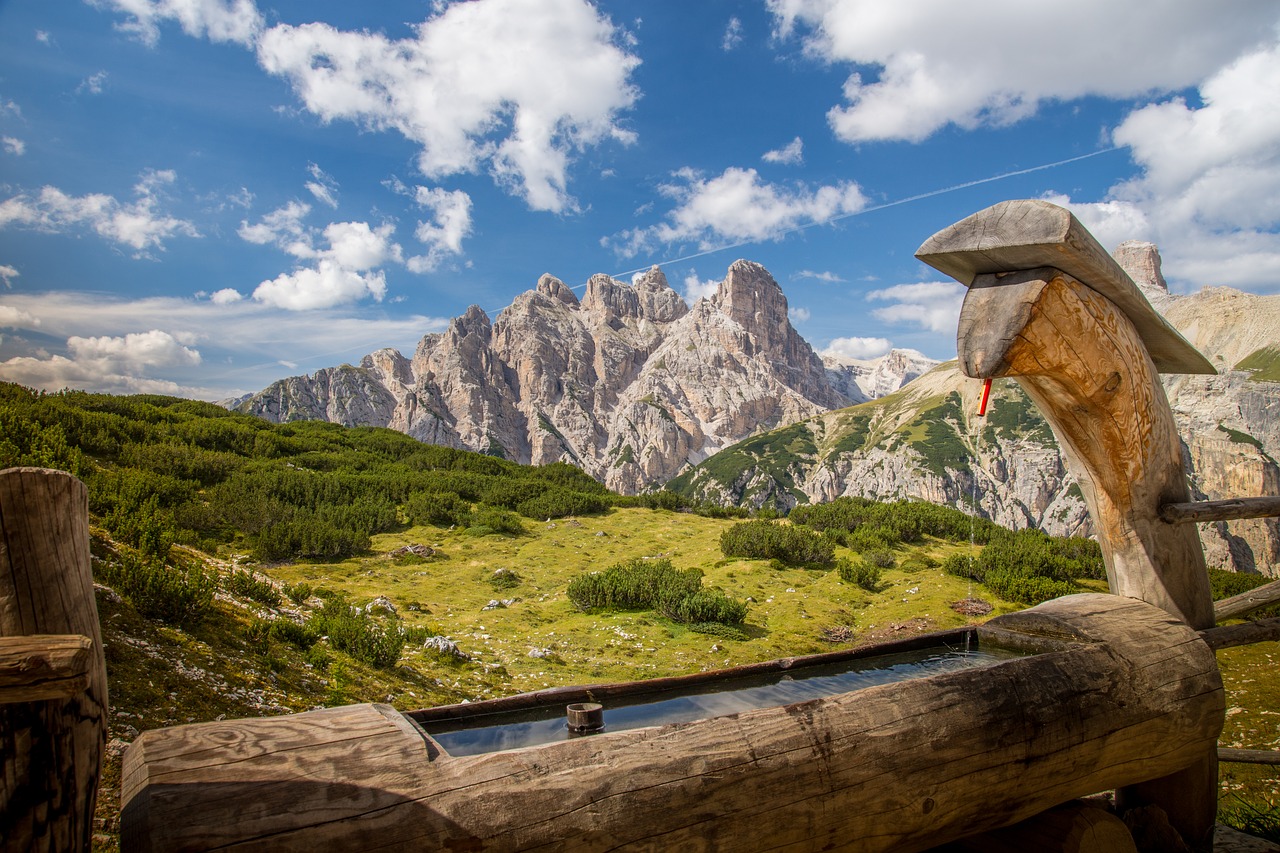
(1264, 364)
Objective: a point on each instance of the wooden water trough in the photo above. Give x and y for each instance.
(1117, 691)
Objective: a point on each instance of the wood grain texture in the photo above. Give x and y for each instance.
(1224, 510)
(1029, 233)
(1069, 828)
(1245, 634)
(52, 750)
(43, 666)
(897, 767)
(1083, 364)
(1247, 602)
(1249, 756)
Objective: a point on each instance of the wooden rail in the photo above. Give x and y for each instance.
(1244, 634)
(54, 709)
(1224, 510)
(1247, 601)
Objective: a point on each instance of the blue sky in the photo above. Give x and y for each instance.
(198, 197)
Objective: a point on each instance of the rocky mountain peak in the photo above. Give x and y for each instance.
(750, 296)
(610, 300)
(553, 287)
(658, 301)
(1141, 260)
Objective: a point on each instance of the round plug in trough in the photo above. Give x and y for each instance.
(585, 717)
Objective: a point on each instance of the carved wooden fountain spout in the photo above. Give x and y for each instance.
(1049, 307)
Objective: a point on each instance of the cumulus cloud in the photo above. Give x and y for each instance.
(696, 288)
(444, 232)
(236, 21)
(798, 315)
(934, 62)
(226, 296)
(138, 224)
(240, 344)
(857, 348)
(13, 145)
(106, 363)
(1208, 189)
(732, 34)
(8, 274)
(933, 305)
(791, 154)
(16, 318)
(514, 86)
(343, 257)
(737, 206)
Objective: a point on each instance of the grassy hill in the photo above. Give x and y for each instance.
(203, 616)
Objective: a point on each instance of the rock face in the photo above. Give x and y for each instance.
(862, 380)
(925, 441)
(629, 383)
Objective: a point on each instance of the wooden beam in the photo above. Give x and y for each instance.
(1244, 634)
(901, 767)
(1247, 601)
(39, 667)
(1029, 233)
(50, 751)
(1248, 756)
(1075, 827)
(1224, 510)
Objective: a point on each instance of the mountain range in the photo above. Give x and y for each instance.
(724, 400)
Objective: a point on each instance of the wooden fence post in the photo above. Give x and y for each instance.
(52, 747)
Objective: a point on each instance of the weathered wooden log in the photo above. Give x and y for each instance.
(1249, 756)
(43, 666)
(1247, 602)
(899, 767)
(1245, 634)
(1223, 510)
(1069, 828)
(1047, 306)
(52, 749)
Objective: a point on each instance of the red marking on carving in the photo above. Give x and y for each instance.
(986, 393)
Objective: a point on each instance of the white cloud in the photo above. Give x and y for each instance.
(114, 364)
(737, 206)
(15, 318)
(695, 288)
(8, 274)
(93, 83)
(824, 277)
(732, 34)
(791, 154)
(343, 271)
(857, 348)
(1208, 192)
(935, 62)
(42, 37)
(138, 224)
(322, 186)
(933, 305)
(444, 232)
(13, 145)
(241, 343)
(514, 86)
(220, 20)
(798, 315)
(226, 296)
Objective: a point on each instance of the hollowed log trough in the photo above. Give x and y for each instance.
(1118, 692)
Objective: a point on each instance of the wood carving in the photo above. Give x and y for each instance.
(52, 747)
(899, 767)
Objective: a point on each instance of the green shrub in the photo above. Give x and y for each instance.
(715, 629)
(881, 559)
(767, 540)
(656, 585)
(179, 596)
(298, 592)
(248, 585)
(358, 634)
(495, 520)
(860, 573)
(443, 509)
(504, 579)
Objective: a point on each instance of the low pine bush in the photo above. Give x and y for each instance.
(768, 540)
(180, 596)
(859, 572)
(358, 634)
(656, 585)
(248, 585)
